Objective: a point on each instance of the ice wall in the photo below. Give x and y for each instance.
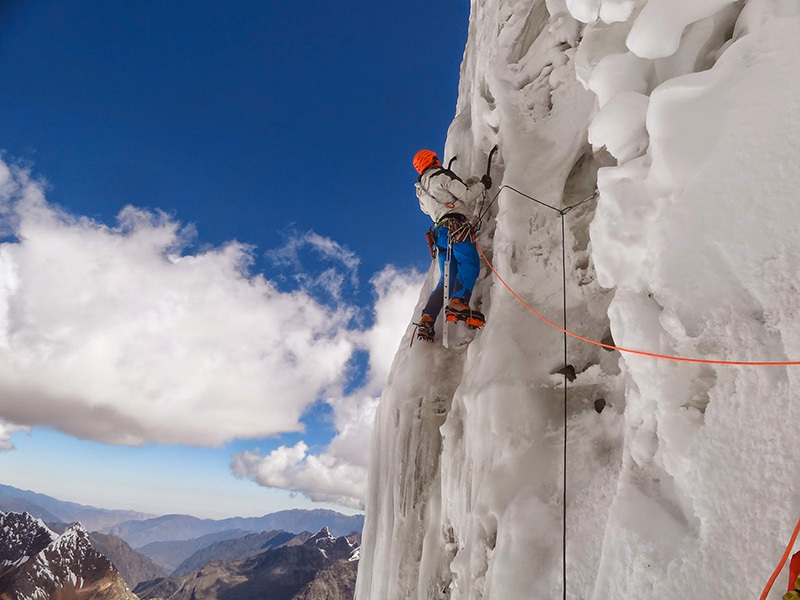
(679, 476)
(698, 235)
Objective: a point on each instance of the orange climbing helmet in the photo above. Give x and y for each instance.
(424, 159)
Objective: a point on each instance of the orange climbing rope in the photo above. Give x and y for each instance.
(628, 350)
(781, 564)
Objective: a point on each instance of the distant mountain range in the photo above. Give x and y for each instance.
(238, 549)
(52, 510)
(168, 555)
(65, 562)
(139, 533)
(140, 529)
(20, 505)
(172, 543)
(321, 568)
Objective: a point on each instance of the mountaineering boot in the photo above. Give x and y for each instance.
(425, 330)
(458, 310)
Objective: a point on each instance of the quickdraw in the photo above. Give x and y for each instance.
(430, 238)
(458, 226)
(462, 234)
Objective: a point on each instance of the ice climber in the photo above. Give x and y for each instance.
(450, 202)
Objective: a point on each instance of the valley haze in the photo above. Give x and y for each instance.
(139, 529)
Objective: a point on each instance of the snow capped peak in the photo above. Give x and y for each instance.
(37, 563)
(75, 535)
(323, 534)
(76, 531)
(333, 548)
(22, 535)
(79, 528)
(23, 519)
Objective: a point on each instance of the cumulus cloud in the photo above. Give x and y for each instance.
(322, 478)
(339, 474)
(6, 431)
(397, 294)
(121, 335)
(116, 334)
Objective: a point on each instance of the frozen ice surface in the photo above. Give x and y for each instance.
(658, 29)
(620, 126)
(681, 478)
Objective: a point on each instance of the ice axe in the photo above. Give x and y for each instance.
(476, 227)
(489, 160)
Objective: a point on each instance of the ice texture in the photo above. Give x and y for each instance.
(684, 119)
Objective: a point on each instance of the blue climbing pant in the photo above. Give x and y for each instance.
(464, 268)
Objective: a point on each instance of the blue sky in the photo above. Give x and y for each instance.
(262, 122)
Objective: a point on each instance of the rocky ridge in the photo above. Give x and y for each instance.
(37, 564)
(238, 549)
(133, 566)
(323, 566)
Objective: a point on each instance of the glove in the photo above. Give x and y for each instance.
(486, 181)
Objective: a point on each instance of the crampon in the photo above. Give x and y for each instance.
(472, 318)
(425, 331)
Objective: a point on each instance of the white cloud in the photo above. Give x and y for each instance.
(334, 251)
(397, 296)
(113, 334)
(331, 280)
(322, 478)
(6, 431)
(339, 474)
(117, 334)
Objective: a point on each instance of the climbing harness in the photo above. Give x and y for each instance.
(459, 229)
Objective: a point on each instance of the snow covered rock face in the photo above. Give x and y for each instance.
(685, 117)
(40, 564)
(699, 236)
(22, 536)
